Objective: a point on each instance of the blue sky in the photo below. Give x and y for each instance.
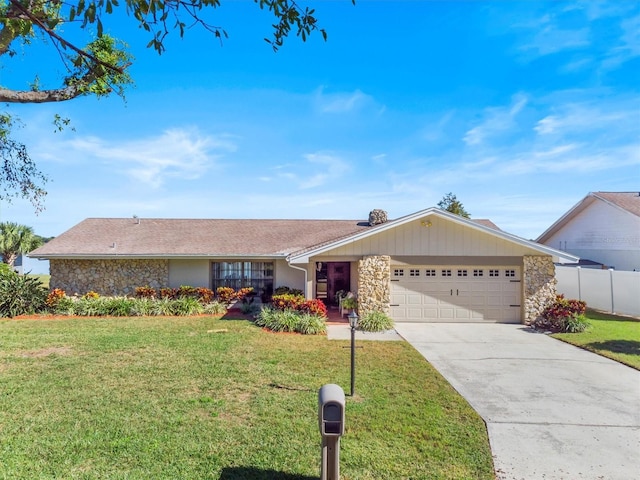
(519, 108)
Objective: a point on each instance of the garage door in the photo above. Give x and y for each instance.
(455, 294)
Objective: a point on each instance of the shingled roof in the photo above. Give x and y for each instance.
(197, 238)
(143, 237)
(629, 201)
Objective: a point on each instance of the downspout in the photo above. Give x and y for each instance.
(305, 275)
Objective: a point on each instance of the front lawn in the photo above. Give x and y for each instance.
(610, 336)
(204, 398)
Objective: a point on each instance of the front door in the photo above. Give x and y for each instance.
(338, 278)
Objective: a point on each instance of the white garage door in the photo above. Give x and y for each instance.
(455, 294)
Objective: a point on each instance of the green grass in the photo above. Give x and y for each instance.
(611, 336)
(44, 279)
(203, 398)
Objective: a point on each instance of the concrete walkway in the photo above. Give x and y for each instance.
(553, 411)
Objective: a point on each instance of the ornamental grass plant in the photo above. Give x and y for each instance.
(375, 322)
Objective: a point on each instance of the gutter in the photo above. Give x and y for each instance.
(305, 274)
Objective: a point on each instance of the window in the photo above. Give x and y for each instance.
(494, 273)
(462, 273)
(414, 272)
(509, 273)
(446, 273)
(236, 275)
(429, 273)
(398, 272)
(478, 273)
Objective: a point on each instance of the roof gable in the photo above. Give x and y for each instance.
(627, 202)
(423, 216)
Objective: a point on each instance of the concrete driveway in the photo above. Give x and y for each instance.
(553, 411)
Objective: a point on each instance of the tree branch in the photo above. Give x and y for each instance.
(52, 34)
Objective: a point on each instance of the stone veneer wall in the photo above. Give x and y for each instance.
(108, 277)
(539, 277)
(374, 275)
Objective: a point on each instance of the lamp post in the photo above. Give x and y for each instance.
(353, 323)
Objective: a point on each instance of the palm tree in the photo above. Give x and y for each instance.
(15, 240)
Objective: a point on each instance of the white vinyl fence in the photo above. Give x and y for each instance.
(613, 291)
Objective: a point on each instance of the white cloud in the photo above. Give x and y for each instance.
(628, 46)
(551, 40)
(578, 118)
(497, 119)
(176, 153)
(341, 102)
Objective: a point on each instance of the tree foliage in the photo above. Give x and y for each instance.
(451, 204)
(100, 67)
(15, 240)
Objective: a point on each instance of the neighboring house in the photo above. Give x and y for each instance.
(428, 266)
(604, 227)
(17, 265)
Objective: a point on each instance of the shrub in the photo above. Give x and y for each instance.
(311, 325)
(143, 307)
(20, 294)
(169, 293)
(375, 322)
(244, 292)
(287, 301)
(54, 297)
(284, 290)
(185, 291)
(563, 308)
(563, 314)
(576, 324)
(225, 295)
(63, 306)
(290, 321)
(295, 302)
(118, 306)
(314, 307)
(186, 306)
(205, 295)
(89, 307)
(215, 308)
(350, 303)
(162, 307)
(146, 292)
(277, 320)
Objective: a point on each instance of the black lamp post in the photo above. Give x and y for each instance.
(353, 323)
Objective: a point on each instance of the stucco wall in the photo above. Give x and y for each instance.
(195, 273)
(287, 276)
(374, 276)
(108, 277)
(539, 286)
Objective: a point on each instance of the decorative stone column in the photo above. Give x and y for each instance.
(374, 276)
(539, 286)
(108, 277)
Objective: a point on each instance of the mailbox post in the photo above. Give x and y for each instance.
(331, 406)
